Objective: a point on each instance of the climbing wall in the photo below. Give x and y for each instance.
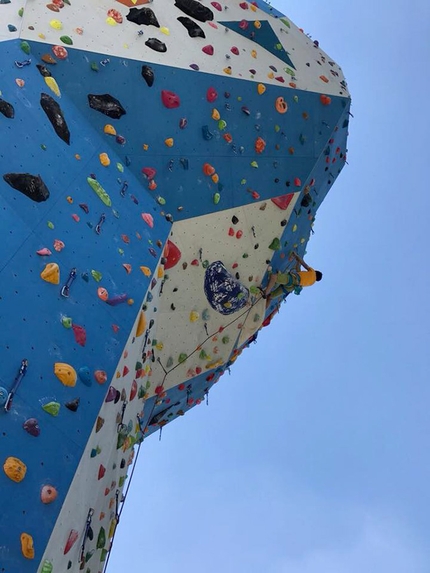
(156, 159)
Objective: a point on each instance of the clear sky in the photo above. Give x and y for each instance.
(313, 456)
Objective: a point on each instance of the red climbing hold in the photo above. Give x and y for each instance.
(325, 100)
(211, 94)
(71, 540)
(149, 172)
(102, 471)
(170, 99)
(231, 232)
(217, 6)
(80, 334)
(133, 390)
(297, 182)
(283, 201)
(125, 371)
(243, 24)
(209, 50)
(172, 255)
(234, 50)
(159, 390)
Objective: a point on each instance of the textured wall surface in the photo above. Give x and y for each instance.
(140, 144)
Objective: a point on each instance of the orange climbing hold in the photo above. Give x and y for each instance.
(208, 169)
(127, 267)
(51, 273)
(15, 469)
(259, 145)
(141, 324)
(27, 547)
(281, 105)
(325, 99)
(102, 293)
(100, 376)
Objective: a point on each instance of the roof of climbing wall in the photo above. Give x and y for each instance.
(161, 156)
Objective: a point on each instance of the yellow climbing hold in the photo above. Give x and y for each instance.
(257, 24)
(27, 546)
(169, 142)
(15, 469)
(146, 271)
(141, 324)
(227, 71)
(109, 129)
(194, 316)
(53, 86)
(294, 228)
(254, 53)
(65, 373)
(111, 21)
(215, 114)
(261, 88)
(56, 24)
(104, 159)
(51, 273)
(160, 273)
(165, 30)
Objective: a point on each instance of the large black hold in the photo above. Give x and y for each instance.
(107, 104)
(142, 17)
(55, 116)
(148, 75)
(194, 30)
(30, 185)
(156, 45)
(7, 109)
(195, 10)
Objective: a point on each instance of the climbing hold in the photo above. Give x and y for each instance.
(261, 88)
(52, 408)
(58, 245)
(141, 324)
(224, 293)
(55, 115)
(194, 30)
(169, 142)
(100, 192)
(106, 104)
(47, 567)
(149, 219)
(215, 114)
(27, 547)
(170, 99)
(142, 17)
(65, 373)
(195, 9)
(156, 45)
(80, 334)
(208, 169)
(7, 109)
(117, 299)
(172, 255)
(209, 50)
(15, 469)
(104, 159)
(325, 100)
(101, 539)
(56, 24)
(206, 133)
(216, 198)
(85, 375)
(259, 145)
(109, 129)
(148, 75)
(73, 405)
(283, 201)
(103, 294)
(194, 316)
(32, 427)
(51, 273)
(30, 185)
(100, 376)
(281, 105)
(71, 540)
(48, 494)
(275, 245)
(127, 267)
(59, 52)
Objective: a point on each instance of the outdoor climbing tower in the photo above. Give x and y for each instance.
(155, 159)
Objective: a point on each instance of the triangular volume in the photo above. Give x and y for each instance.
(261, 32)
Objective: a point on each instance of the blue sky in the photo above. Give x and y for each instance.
(313, 457)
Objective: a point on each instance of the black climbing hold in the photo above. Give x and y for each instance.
(195, 10)
(55, 116)
(30, 185)
(234, 220)
(43, 71)
(73, 405)
(143, 17)
(224, 292)
(283, 222)
(194, 30)
(6, 109)
(107, 104)
(156, 45)
(148, 75)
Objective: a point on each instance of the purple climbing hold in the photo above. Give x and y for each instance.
(32, 427)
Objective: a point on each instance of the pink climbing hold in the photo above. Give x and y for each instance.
(209, 50)
(44, 252)
(170, 99)
(149, 172)
(244, 5)
(149, 219)
(172, 255)
(234, 50)
(283, 201)
(243, 24)
(217, 6)
(71, 540)
(297, 182)
(211, 94)
(80, 334)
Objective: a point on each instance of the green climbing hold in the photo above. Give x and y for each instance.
(205, 314)
(97, 275)
(46, 567)
(254, 164)
(43, 147)
(182, 357)
(277, 128)
(50, 225)
(216, 198)
(103, 555)
(285, 21)
(121, 481)
(66, 321)
(222, 124)
(101, 538)
(205, 264)
(25, 47)
(120, 167)
(296, 99)
(52, 408)
(225, 339)
(289, 71)
(21, 12)
(275, 245)
(94, 66)
(161, 200)
(245, 256)
(120, 441)
(67, 40)
(254, 290)
(169, 362)
(100, 192)
(203, 355)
